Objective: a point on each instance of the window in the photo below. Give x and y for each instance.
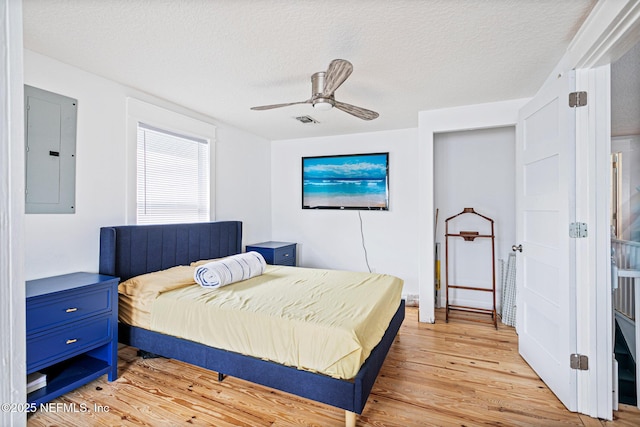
(172, 177)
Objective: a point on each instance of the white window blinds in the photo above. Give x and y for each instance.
(172, 177)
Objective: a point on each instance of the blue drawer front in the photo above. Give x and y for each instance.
(276, 253)
(266, 253)
(50, 312)
(64, 342)
(285, 256)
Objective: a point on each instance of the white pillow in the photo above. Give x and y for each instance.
(230, 270)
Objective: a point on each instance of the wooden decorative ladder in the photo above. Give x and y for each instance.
(470, 236)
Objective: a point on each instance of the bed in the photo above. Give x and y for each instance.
(134, 250)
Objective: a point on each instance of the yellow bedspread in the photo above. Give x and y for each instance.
(319, 320)
(137, 295)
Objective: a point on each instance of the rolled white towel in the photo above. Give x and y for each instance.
(230, 270)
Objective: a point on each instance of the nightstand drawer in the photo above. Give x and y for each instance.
(285, 255)
(67, 307)
(63, 342)
(276, 253)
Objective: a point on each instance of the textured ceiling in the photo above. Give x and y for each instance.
(222, 57)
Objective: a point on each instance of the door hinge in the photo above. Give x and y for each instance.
(578, 230)
(577, 99)
(579, 361)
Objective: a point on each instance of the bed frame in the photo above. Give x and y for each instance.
(131, 250)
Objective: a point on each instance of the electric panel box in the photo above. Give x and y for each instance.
(50, 151)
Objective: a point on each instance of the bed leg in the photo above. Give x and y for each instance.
(221, 376)
(349, 419)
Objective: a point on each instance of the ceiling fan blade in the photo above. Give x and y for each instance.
(359, 112)
(337, 73)
(269, 107)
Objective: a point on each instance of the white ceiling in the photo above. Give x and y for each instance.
(222, 57)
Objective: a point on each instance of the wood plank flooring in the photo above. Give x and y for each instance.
(444, 374)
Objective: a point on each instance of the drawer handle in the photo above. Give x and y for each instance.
(71, 310)
(286, 255)
(71, 341)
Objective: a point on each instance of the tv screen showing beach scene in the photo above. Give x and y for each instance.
(352, 181)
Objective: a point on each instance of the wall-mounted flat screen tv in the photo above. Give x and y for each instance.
(351, 181)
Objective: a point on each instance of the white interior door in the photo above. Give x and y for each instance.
(545, 205)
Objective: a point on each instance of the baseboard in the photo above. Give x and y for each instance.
(411, 300)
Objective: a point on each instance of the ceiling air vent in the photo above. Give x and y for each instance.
(306, 119)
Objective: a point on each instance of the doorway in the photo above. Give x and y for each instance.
(625, 215)
(475, 169)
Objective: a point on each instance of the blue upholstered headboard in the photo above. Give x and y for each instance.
(130, 250)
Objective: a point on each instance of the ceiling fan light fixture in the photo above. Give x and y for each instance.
(323, 104)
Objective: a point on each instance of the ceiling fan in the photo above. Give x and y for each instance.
(323, 86)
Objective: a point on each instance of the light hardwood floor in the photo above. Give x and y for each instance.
(443, 374)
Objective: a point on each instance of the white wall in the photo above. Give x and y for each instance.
(62, 243)
(475, 169)
(331, 239)
(243, 178)
(264, 195)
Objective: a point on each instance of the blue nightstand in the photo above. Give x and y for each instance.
(276, 253)
(72, 331)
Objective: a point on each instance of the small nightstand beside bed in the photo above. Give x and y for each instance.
(340, 372)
